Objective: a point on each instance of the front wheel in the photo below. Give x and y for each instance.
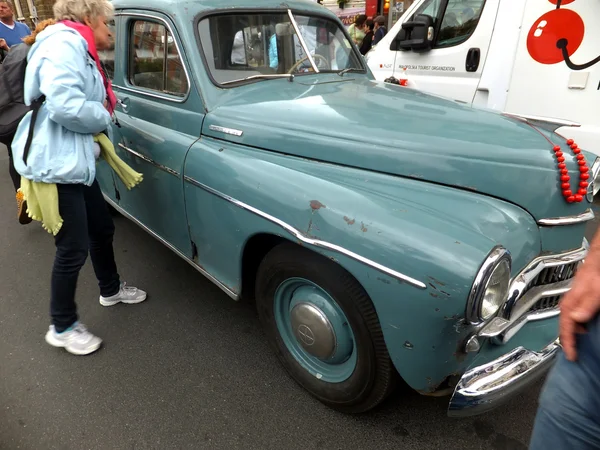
(324, 329)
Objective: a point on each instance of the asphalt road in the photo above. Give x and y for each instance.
(188, 369)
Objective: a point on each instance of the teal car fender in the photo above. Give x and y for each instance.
(414, 246)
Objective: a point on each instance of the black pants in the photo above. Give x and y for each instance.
(87, 226)
(14, 175)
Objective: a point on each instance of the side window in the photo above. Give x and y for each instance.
(154, 62)
(107, 57)
(459, 22)
(429, 8)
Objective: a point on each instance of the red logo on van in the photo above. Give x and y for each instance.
(556, 36)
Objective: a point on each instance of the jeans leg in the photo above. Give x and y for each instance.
(101, 230)
(568, 417)
(71, 253)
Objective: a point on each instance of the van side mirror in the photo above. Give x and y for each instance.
(416, 35)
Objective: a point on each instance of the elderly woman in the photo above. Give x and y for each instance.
(65, 72)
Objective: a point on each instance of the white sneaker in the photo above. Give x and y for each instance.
(76, 340)
(127, 294)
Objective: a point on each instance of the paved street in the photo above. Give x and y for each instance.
(189, 369)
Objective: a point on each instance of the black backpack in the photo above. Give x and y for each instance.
(12, 99)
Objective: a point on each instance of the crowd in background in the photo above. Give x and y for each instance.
(366, 32)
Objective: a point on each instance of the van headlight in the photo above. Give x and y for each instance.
(490, 288)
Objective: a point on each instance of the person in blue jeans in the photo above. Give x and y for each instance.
(11, 31)
(568, 417)
(63, 65)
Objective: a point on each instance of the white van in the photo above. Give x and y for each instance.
(538, 59)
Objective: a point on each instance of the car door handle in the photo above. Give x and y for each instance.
(473, 59)
(124, 104)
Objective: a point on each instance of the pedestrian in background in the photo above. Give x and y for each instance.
(12, 33)
(380, 29)
(356, 30)
(367, 42)
(568, 417)
(63, 65)
(10, 30)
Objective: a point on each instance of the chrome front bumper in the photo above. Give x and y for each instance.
(485, 387)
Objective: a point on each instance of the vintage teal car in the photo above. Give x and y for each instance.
(384, 234)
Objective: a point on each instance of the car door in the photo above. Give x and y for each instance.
(160, 116)
(453, 66)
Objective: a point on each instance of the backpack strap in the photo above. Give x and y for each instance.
(35, 107)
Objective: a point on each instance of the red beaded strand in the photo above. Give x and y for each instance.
(565, 178)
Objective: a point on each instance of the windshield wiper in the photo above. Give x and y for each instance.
(261, 77)
(348, 70)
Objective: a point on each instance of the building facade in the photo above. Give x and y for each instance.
(32, 11)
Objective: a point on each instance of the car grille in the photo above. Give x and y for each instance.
(548, 276)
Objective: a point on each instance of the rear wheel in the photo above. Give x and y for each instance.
(324, 329)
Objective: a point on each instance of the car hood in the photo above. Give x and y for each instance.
(389, 129)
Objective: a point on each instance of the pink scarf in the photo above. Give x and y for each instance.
(88, 34)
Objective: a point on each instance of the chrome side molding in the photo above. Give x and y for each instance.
(309, 241)
(150, 161)
(585, 216)
(225, 130)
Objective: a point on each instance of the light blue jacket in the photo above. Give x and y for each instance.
(62, 150)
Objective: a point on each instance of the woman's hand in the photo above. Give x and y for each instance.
(4, 45)
(106, 104)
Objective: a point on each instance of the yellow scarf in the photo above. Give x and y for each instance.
(42, 198)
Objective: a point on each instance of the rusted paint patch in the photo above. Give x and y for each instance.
(221, 149)
(437, 281)
(316, 205)
(383, 280)
(408, 345)
(454, 317)
(436, 289)
(363, 228)
(349, 221)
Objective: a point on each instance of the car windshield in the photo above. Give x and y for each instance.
(240, 48)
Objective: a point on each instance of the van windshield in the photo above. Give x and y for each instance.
(240, 48)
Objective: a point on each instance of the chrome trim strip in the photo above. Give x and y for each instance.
(595, 184)
(515, 327)
(485, 387)
(533, 295)
(231, 131)
(315, 242)
(185, 70)
(520, 282)
(548, 123)
(491, 262)
(191, 262)
(302, 41)
(150, 161)
(585, 216)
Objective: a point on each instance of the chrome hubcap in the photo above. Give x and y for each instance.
(313, 330)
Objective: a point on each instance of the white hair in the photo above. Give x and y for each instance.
(78, 10)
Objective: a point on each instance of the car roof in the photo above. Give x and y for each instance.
(194, 7)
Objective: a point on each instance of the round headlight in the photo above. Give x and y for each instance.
(490, 288)
(496, 291)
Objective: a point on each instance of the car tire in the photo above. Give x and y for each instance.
(324, 329)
